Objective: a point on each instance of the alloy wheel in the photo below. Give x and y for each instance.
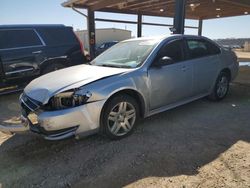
(121, 118)
(222, 87)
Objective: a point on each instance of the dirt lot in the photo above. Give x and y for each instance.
(201, 144)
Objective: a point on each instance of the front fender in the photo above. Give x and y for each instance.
(106, 88)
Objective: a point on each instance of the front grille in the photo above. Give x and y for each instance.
(28, 104)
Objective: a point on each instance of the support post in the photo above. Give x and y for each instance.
(200, 27)
(179, 17)
(139, 25)
(91, 33)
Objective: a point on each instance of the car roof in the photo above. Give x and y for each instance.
(162, 37)
(20, 26)
(174, 36)
(146, 38)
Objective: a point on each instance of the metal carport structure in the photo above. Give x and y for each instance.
(178, 9)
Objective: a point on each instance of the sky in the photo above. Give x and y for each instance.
(51, 12)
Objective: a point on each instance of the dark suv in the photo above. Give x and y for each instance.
(28, 51)
(104, 46)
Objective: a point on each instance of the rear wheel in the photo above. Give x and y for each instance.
(119, 117)
(221, 87)
(52, 67)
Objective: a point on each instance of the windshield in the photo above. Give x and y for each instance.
(129, 54)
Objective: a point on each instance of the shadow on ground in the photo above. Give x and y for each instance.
(176, 142)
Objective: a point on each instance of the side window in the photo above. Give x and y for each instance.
(107, 45)
(58, 36)
(102, 46)
(18, 38)
(197, 48)
(111, 44)
(174, 50)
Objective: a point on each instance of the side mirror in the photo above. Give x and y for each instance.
(164, 61)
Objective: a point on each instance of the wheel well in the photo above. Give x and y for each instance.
(134, 94)
(228, 72)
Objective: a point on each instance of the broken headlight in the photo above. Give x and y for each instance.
(69, 99)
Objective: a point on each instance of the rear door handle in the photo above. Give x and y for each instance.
(37, 52)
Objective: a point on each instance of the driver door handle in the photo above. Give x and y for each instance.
(37, 52)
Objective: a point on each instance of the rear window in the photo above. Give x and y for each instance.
(197, 49)
(58, 36)
(18, 38)
(201, 48)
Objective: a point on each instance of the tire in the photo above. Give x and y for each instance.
(119, 117)
(221, 87)
(52, 67)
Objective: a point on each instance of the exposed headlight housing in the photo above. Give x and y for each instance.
(69, 99)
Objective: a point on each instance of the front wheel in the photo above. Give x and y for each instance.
(221, 87)
(119, 117)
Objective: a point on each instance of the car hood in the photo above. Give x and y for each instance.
(43, 88)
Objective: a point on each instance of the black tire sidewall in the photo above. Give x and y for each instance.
(215, 95)
(109, 106)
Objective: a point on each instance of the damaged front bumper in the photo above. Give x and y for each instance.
(59, 124)
(54, 135)
(11, 129)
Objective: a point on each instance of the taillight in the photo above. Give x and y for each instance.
(81, 45)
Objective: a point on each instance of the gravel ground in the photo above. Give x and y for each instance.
(201, 144)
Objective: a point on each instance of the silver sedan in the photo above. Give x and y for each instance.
(134, 79)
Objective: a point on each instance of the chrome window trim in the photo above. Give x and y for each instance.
(20, 48)
(24, 47)
(18, 71)
(39, 36)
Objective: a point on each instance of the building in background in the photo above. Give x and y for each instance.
(104, 35)
(247, 46)
(233, 42)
